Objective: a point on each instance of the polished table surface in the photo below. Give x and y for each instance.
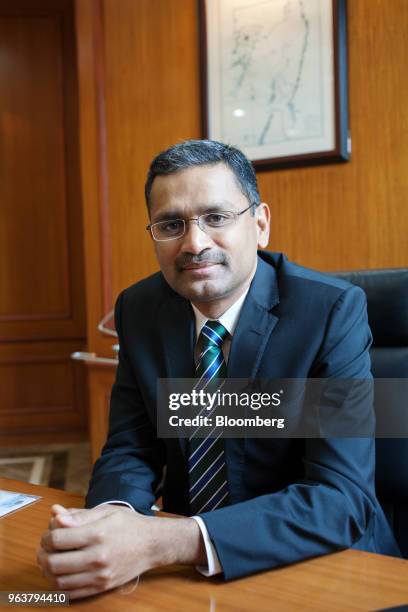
(349, 580)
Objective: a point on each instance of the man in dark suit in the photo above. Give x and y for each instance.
(276, 501)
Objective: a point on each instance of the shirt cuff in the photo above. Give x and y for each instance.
(213, 563)
(117, 502)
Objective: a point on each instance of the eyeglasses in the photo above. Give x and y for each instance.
(210, 223)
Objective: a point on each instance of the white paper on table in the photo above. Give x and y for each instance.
(10, 501)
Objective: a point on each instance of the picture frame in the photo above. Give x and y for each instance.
(274, 79)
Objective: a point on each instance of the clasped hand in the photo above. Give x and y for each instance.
(89, 551)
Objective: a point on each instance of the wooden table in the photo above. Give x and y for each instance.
(349, 580)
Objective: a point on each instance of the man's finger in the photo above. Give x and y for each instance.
(85, 516)
(42, 562)
(81, 516)
(58, 511)
(56, 522)
(69, 539)
(79, 580)
(58, 508)
(72, 519)
(85, 592)
(72, 562)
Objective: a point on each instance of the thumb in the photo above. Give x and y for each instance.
(82, 517)
(57, 512)
(58, 509)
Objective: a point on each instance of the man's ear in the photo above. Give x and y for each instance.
(263, 219)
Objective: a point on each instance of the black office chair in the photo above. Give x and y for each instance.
(387, 301)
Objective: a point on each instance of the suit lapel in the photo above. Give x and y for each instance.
(251, 335)
(255, 324)
(177, 332)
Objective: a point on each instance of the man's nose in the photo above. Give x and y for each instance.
(195, 240)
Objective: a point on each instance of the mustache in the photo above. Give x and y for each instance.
(214, 257)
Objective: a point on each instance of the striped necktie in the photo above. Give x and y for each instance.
(206, 464)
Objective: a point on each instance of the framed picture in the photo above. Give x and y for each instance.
(274, 79)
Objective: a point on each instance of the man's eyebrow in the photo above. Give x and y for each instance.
(168, 215)
(200, 209)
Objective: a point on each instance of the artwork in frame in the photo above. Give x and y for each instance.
(274, 79)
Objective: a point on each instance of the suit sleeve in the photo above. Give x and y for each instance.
(333, 506)
(131, 464)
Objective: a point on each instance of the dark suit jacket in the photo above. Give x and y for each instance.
(291, 498)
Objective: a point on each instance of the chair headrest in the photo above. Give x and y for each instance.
(387, 302)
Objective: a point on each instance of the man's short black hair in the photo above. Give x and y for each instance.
(202, 153)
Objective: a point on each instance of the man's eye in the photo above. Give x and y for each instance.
(216, 219)
(171, 227)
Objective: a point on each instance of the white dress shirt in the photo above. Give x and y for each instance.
(229, 320)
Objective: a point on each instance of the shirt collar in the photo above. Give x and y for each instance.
(229, 319)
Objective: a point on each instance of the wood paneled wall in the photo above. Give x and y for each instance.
(139, 78)
(355, 215)
(42, 304)
(139, 92)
